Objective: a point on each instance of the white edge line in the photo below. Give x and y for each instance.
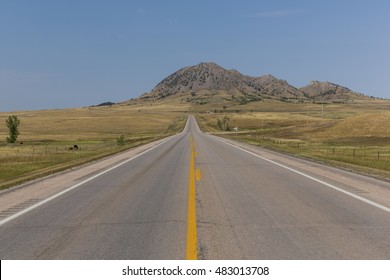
(382, 207)
(14, 216)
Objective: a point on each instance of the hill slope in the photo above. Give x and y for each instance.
(210, 83)
(214, 78)
(330, 91)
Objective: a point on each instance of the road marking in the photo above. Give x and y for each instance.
(10, 218)
(370, 202)
(191, 250)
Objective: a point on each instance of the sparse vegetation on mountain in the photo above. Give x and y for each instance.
(105, 104)
(329, 91)
(209, 83)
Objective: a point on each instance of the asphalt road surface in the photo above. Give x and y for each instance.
(248, 204)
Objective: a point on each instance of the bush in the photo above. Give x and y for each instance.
(120, 140)
(224, 123)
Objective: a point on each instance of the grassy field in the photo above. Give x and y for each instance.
(46, 137)
(354, 136)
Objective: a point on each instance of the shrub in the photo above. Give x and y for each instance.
(120, 140)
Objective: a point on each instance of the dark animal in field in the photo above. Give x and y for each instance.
(75, 147)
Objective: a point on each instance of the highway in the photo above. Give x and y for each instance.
(199, 196)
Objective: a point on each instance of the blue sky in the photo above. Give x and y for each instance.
(74, 53)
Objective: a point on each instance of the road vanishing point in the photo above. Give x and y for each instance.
(197, 196)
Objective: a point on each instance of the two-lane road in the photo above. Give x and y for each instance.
(247, 207)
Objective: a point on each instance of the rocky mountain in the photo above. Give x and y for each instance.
(329, 91)
(212, 77)
(209, 82)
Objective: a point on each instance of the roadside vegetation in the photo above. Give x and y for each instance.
(13, 124)
(55, 140)
(352, 136)
(355, 136)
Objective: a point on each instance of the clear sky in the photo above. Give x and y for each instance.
(74, 53)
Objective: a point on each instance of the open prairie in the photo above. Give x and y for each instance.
(47, 138)
(354, 136)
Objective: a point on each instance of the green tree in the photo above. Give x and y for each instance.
(13, 125)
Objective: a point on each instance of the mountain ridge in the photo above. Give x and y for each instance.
(328, 90)
(209, 81)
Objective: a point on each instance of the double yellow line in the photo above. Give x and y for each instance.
(191, 248)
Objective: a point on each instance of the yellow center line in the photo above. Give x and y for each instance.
(191, 250)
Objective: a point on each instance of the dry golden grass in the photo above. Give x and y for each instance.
(364, 125)
(94, 123)
(357, 135)
(47, 136)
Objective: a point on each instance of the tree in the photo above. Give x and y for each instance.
(224, 123)
(220, 124)
(13, 123)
